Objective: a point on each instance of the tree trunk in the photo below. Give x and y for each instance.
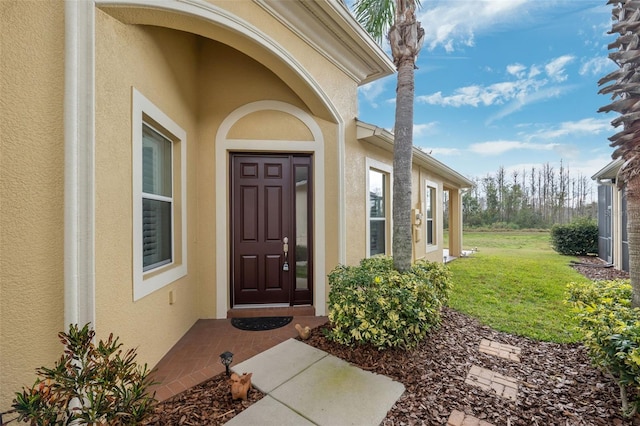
(633, 231)
(402, 159)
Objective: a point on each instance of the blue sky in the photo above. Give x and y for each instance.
(508, 83)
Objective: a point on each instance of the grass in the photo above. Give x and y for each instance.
(515, 283)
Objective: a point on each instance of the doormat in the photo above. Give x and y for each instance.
(260, 323)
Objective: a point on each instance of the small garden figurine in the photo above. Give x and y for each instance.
(240, 385)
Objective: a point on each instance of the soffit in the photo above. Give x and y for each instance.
(213, 22)
(330, 29)
(610, 171)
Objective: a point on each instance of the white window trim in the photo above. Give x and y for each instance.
(370, 163)
(145, 283)
(436, 216)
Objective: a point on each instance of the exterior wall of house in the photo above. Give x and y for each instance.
(613, 242)
(31, 190)
(357, 201)
(161, 65)
(199, 77)
(197, 82)
(422, 250)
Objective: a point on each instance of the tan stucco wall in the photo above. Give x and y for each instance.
(356, 200)
(161, 65)
(184, 75)
(31, 190)
(195, 81)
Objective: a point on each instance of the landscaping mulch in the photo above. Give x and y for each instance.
(208, 403)
(558, 385)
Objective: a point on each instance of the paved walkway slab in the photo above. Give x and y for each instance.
(275, 366)
(504, 386)
(333, 392)
(458, 418)
(512, 353)
(305, 385)
(269, 412)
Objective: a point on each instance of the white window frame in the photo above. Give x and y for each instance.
(387, 170)
(429, 185)
(146, 282)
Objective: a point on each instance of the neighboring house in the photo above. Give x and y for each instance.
(613, 243)
(158, 159)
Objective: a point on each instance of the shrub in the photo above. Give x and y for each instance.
(373, 303)
(89, 384)
(578, 238)
(611, 330)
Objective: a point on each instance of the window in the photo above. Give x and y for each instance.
(429, 214)
(378, 208)
(159, 198)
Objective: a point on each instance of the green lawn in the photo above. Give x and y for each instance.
(515, 283)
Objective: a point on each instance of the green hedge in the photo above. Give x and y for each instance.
(611, 330)
(578, 238)
(373, 303)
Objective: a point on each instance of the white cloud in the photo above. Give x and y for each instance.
(476, 95)
(502, 146)
(599, 66)
(573, 128)
(516, 69)
(371, 91)
(529, 97)
(453, 24)
(424, 128)
(527, 87)
(534, 71)
(555, 69)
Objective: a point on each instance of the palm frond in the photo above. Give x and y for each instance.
(375, 16)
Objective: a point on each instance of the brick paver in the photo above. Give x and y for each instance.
(458, 418)
(501, 350)
(504, 386)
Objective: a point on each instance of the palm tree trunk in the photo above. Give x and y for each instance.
(402, 159)
(633, 231)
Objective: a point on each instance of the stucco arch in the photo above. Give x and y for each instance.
(209, 21)
(224, 145)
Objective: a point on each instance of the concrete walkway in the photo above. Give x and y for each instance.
(307, 386)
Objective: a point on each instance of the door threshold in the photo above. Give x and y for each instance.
(262, 305)
(271, 310)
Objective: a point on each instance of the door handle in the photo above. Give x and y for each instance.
(285, 249)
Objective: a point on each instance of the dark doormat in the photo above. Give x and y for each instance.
(260, 323)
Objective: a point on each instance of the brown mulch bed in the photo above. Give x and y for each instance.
(558, 385)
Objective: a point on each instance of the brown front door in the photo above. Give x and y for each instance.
(263, 216)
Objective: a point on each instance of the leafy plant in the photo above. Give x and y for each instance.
(89, 384)
(373, 303)
(611, 329)
(578, 238)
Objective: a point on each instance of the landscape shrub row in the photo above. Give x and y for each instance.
(611, 330)
(578, 238)
(373, 303)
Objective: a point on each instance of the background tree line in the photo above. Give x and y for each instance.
(538, 197)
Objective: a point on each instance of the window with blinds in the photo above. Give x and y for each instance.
(377, 212)
(157, 199)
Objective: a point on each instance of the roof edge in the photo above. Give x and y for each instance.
(385, 139)
(610, 171)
